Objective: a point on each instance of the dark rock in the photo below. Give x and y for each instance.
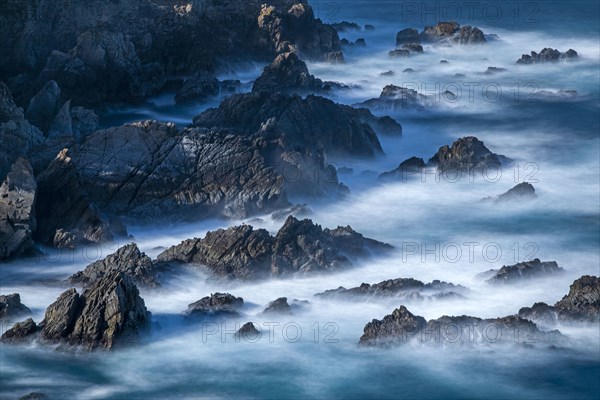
(444, 62)
(398, 327)
(17, 211)
(540, 313)
(109, 313)
(198, 88)
(369, 27)
(468, 35)
(394, 98)
(582, 303)
(34, 396)
(345, 26)
(129, 260)
(20, 332)
(64, 212)
(248, 332)
(413, 47)
(11, 307)
(387, 73)
(215, 305)
(277, 307)
(467, 153)
(335, 57)
(299, 247)
(525, 271)
(83, 122)
(459, 75)
(44, 105)
(443, 30)
(315, 122)
(407, 168)
(548, 55)
(494, 70)
(62, 125)
(398, 53)
(407, 36)
(360, 43)
(522, 192)
(408, 70)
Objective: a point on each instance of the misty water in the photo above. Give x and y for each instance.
(554, 143)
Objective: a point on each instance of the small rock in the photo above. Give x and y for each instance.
(215, 305)
(11, 307)
(278, 307)
(248, 332)
(20, 332)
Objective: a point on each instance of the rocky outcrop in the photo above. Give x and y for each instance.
(215, 305)
(467, 153)
(407, 168)
(580, 305)
(522, 192)
(468, 35)
(248, 332)
(407, 36)
(44, 106)
(108, 313)
(11, 308)
(313, 122)
(524, 271)
(394, 98)
(20, 332)
(299, 247)
(129, 260)
(199, 87)
(452, 33)
(346, 26)
(17, 211)
(548, 55)
(403, 327)
(17, 135)
(64, 212)
(405, 288)
(277, 307)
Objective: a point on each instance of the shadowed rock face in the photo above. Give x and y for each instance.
(11, 307)
(215, 305)
(109, 312)
(17, 211)
(129, 260)
(548, 55)
(407, 168)
(403, 327)
(299, 247)
(524, 271)
(125, 51)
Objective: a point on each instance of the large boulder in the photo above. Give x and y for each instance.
(524, 271)
(17, 211)
(108, 313)
(129, 260)
(548, 55)
(467, 153)
(407, 36)
(300, 246)
(11, 308)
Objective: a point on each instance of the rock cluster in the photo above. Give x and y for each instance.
(548, 55)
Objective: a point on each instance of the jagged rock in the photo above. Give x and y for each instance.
(403, 327)
(17, 135)
(406, 169)
(413, 47)
(277, 307)
(335, 57)
(108, 313)
(407, 36)
(44, 105)
(405, 288)
(524, 271)
(548, 55)
(287, 73)
(83, 122)
(582, 303)
(442, 30)
(215, 305)
(315, 122)
(198, 88)
(467, 153)
(345, 26)
(248, 332)
(522, 192)
(20, 332)
(11, 307)
(64, 212)
(540, 313)
(469, 35)
(299, 247)
(394, 98)
(17, 211)
(128, 259)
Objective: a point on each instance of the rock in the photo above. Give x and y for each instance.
(398, 53)
(467, 153)
(334, 57)
(64, 212)
(62, 125)
(522, 192)
(395, 328)
(387, 73)
(83, 122)
(402, 327)
(299, 247)
(494, 70)
(407, 168)
(314, 122)
(413, 47)
(525, 271)
(408, 70)
(17, 135)
(127, 259)
(11, 308)
(248, 332)
(395, 98)
(360, 42)
(108, 313)
(443, 30)
(407, 36)
(287, 73)
(20, 332)
(369, 27)
(540, 313)
(582, 303)
(34, 396)
(404, 288)
(548, 55)
(215, 305)
(277, 307)
(444, 62)
(17, 211)
(468, 35)
(44, 105)
(198, 88)
(345, 26)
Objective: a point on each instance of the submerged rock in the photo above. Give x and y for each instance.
(299, 247)
(215, 305)
(17, 211)
(524, 271)
(548, 55)
(129, 260)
